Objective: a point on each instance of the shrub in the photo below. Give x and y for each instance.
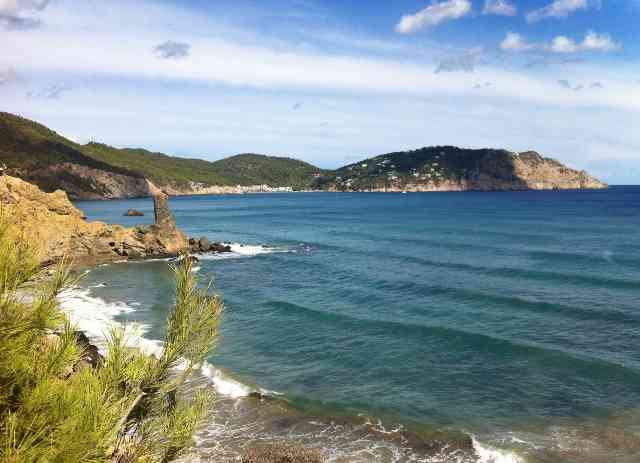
(128, 410)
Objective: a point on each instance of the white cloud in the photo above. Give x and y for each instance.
(515, 42)
(592, 42)
(434, 14)
(599, 42)
(557, 9)
(500, 8)
(562, 44)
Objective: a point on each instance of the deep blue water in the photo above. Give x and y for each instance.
(471, 310)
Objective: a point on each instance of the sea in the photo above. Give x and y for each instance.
(479, 327)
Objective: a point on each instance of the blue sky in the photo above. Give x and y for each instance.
(332, 81)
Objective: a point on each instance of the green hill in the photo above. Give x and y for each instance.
(242, 169)
(99, 171)
(32, 151)
(449, 168)
(256, 169)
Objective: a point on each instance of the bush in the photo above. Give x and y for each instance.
(128, 410)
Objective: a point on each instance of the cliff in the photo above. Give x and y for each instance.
(449, 168)
(59, 229)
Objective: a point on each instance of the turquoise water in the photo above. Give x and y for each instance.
(499, 314)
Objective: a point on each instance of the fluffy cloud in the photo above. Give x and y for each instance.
(599, 42)
(465, 62)
(434, 14)
(557, 9)
(19, 14)
(515, 42)
(561, 44)
(172, 50)
(499, 7)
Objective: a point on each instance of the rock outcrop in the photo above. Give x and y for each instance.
(85, 182)
(57, 228)
(203, 245)
(133, 213)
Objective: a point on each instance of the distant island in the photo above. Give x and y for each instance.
(39, 155)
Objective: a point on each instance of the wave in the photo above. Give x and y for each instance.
(488, 342)
(95, 317)
(487, 454)
(240, 250)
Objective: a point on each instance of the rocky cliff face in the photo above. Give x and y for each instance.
(59, 229)
(85, 182)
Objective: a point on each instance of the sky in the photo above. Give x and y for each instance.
(332, 81)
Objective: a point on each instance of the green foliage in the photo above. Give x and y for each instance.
(132, 409)
(27, 146)
(243, 169)
(256, 169)
(430, 164)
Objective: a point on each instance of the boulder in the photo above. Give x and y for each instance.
(219, 247)
(133, 213)
(280, 453)
(204, 244)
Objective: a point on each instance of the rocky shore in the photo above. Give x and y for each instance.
(59, 229)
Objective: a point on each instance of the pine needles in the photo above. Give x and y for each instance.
(130, 409)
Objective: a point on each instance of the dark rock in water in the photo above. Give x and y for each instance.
(219, 247)
(204, 244)
(280, 453)
(133, 213)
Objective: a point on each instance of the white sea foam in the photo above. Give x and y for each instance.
(224, 384)
(487, 454)
(239, 250)
(95, 316)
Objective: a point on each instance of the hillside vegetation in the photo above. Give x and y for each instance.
(100, 171)
(242, 169)
(449, 168)
(27, 147)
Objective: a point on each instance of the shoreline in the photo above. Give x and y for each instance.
(338, 435)
(244, 412)
(396, 191)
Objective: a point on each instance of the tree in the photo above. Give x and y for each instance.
(53, 408)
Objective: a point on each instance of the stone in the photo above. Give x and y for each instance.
(204, 244)
(280, 453)
(133, 213)
(219, 247)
